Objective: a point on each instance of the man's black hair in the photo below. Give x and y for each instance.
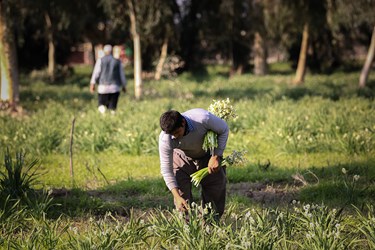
(170, 121)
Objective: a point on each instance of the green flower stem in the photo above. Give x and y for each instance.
(210, 141)
(198, 176)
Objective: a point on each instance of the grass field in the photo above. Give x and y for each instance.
(310, 151)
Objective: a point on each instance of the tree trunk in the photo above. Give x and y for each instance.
(137, 51)
(237, 58)
(163, 56)
(51, 48)
(260, 55)
(366, 67)
(189, 44)
(301, 68)
(9, 91)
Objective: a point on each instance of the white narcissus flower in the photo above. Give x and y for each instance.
(224, 110)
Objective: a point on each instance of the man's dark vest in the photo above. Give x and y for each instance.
(109, 71)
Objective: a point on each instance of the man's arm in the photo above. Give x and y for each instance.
(95, 75)
(122, 77)
(221, 128)
(92, 88)
(166, 161)
(166, 169)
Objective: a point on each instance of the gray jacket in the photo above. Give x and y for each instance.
(108, 72)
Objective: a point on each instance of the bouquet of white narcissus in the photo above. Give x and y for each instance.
(236, 158)
(224, 110)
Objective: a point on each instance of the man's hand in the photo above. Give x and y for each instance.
(180, 203)
(124, 89)
(92, 88)
(214, 164)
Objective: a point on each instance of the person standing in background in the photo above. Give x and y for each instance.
(110, 77)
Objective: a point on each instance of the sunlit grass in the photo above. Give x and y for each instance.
(323, 124)
(92, 171)
(313, 145)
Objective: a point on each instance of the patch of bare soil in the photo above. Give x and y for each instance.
(264, 193)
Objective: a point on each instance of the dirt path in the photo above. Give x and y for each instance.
(263, 193)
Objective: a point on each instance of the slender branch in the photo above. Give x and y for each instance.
(71, 151)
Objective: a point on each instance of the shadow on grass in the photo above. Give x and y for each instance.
(118, 198)
(80, 80)
(54, 95)
(295, 93)
(30, 97)
(329, 185)
(199, 75)
(326, 90)
(253, 185)
(234, 93)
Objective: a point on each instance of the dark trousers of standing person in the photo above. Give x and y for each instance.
(108, 100)
(213, 185)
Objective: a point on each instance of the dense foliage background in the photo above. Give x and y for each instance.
(196, 31)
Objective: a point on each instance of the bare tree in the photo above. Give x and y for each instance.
(260, 55)
(51, 46)
(370, 57)
(260, 50)
(163, 56)
(301, 68)
(356, 17)
(137, 51)
(9, 91)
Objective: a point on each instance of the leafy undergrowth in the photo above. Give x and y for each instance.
(300, 226)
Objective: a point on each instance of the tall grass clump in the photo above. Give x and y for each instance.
(191, 230)
(20, 203)
(253, 229)
(109, 232)
(18, 180)
(12, 219)
(41, 233)
(17, 177)
(366, 226)
(321, 228)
